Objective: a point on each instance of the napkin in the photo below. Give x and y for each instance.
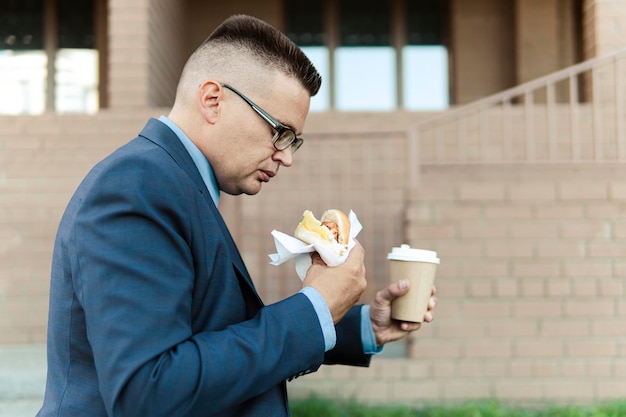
(288, 248)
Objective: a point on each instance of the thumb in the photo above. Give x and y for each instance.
(393, 291)
(400, 288)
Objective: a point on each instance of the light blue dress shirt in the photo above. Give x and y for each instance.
(319, 304)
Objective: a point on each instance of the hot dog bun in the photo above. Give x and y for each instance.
(320, 232)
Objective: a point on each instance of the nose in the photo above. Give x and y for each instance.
(284, 157)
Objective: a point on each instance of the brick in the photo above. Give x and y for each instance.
(480, 288)
(497, 368)
(488, 348)
(519, 390)
(483, 269)
(590, 229)
(600, 368)
(538, 348)
(507, 212)
(413, 390)
(560, 328)
(442, 370)
(467, 390)
(458, 249)
(513, 328)
(589, 308)
(569, 390)
(434, 231)
(418, 369)
(608, 328)
(592, 348)
(610, 287)
(432, 349)
(506, 288)
(573, 368)
(559, 211)
(486, 309)
(470, 369)
(509, 249)
(533, 191)
(585, 288)
(460, 329)
(588, 268)
(534, 229)
(604, 211)
(482, 230)
(481, 192)
(582, 191)
(391, 370)
(544, 309)
(611, 389)
(457, 212)
(537, 269)
(532, 288)
(615, 249)
(560, 249)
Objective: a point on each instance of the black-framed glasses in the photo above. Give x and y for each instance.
(284, 136)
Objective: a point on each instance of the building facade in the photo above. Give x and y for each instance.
(513, 170)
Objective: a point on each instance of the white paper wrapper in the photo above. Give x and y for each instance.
(288, 248)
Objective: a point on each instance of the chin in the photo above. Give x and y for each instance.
(251, 189)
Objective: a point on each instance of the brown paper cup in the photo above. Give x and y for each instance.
(418, 266)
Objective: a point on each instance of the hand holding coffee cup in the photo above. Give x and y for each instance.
(418, 266)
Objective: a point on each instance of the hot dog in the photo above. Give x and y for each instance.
(331, 232)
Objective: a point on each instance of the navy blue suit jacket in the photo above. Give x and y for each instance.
(152, 310)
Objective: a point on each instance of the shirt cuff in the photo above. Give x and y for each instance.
(324, 316)
(367, 333)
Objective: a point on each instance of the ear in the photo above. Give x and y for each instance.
(209, 98)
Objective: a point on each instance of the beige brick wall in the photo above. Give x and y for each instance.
(129, 53)
(531, 290)
(604, 26)
(167, 55)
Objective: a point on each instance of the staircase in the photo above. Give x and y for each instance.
(575, 115)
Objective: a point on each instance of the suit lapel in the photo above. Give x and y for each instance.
(164, 137)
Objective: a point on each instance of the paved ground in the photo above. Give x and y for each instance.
(22, 379)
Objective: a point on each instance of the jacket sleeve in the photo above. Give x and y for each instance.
(349, 347)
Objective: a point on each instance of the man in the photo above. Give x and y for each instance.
(152, 311)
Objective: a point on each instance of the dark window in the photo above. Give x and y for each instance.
(424, 22)
(21, 24)
(364, 23)
(305, 25)
(76, 24)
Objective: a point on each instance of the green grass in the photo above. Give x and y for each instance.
(319, 407)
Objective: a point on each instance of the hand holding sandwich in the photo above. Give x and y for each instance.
(341, 286)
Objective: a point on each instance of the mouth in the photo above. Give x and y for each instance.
(267, 175)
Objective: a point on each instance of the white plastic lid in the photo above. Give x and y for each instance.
(406, 253)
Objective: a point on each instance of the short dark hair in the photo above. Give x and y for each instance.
(270, 46)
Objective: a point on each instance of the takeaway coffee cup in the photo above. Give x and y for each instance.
(418, 266)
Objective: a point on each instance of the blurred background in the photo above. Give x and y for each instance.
(491, 131)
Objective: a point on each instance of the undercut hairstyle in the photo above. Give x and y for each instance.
(241, 35)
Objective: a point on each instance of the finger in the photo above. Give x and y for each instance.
(432, 303)
(434, 291)
(428, 317)
(316, 259)
(410, 327)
